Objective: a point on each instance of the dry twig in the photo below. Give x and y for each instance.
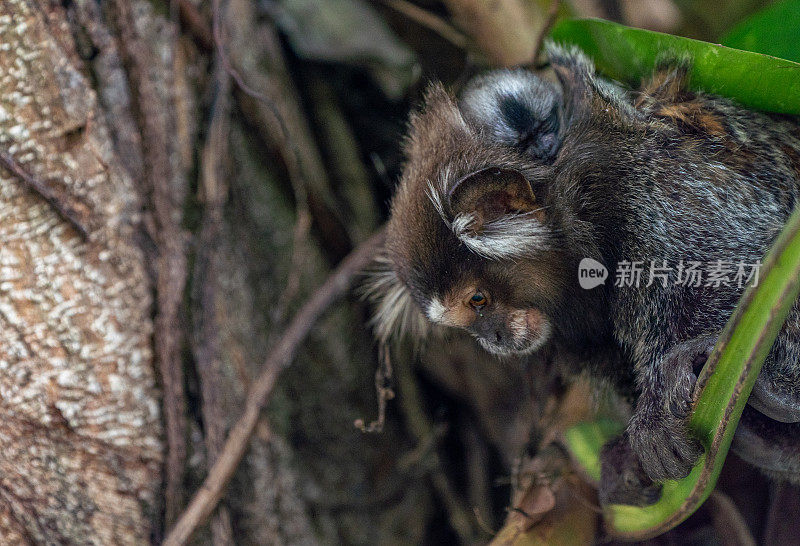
(428, 20)
(383, 381)
(275, 110)
(552, 15)
(196, 25)
(504, 31)
(38, 187)
(460, 517)
(209, 494)
(208, 267)
(302, 224)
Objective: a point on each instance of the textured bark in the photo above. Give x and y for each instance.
(80, 434)
(147, 47)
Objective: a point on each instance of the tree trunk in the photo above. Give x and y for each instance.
(80, 426)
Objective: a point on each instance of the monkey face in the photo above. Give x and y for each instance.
(500, 328)
(486, 234)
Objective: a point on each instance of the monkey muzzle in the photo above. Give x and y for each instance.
(520, 332)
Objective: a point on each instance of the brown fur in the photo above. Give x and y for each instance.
(662, 173)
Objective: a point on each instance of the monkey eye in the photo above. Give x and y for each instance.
(477, 300)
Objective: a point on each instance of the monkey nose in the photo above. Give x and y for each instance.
(491, 331)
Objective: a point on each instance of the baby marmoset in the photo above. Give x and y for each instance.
(508, 186)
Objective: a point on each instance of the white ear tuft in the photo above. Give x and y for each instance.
(396, 314)
(509, 237)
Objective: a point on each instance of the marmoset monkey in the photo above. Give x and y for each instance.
(510, 185)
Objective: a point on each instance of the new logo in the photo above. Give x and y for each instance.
(591, 273)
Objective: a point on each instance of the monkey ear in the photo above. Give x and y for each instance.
(489, 194)
(575, 71)
(515, 108)
(489, 214)
(584, 93)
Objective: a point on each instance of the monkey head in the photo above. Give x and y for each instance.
(473, 241)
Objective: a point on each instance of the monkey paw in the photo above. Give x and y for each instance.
(679, 368)
(657, 431)
(663, 444)
(622, 478)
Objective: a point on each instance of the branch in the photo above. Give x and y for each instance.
(552, 15)
(209, 264)
(209, 494)
(428, 20)
(37, 186)
(196, 25)
(505, 32)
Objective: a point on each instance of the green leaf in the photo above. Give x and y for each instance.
(726, 381)
(773, 31)
(584, 441)
(629, 55)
